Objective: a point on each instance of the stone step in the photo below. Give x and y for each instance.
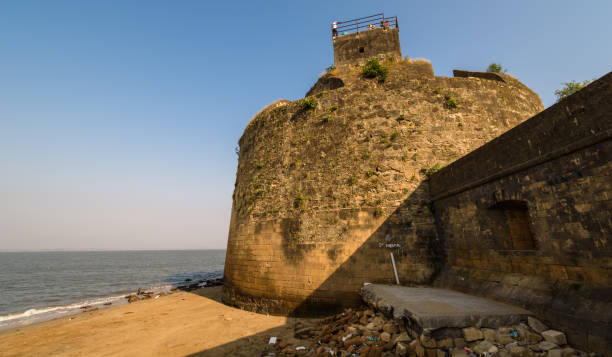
(432, 308)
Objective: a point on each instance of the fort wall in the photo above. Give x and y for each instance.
(317, 187)
(527, 217)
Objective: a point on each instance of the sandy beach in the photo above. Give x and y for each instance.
(181, 324)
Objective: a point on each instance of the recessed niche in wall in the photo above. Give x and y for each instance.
(512, 225)
(361, 50)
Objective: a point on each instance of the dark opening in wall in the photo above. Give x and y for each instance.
(361, 50)
(512, 226)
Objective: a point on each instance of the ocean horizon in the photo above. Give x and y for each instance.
(44, 284)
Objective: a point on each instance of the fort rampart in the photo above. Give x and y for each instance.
(527, 218)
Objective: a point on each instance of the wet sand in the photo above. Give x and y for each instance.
(181, 324)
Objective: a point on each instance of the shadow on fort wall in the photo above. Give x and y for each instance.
(317, 303)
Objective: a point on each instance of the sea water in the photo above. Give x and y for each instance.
(38, 286)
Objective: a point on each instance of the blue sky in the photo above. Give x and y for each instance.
(119, 119)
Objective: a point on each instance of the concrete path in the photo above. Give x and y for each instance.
(432, 308)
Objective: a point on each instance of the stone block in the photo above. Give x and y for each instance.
(489, 334)
(459, 342)
(427, 341)
(518, 351)
(546, 346)
(472, 334)
(555, 353)
(484, 346)
(458, 353)
(556, 337)
(445, 343)
(536, 325)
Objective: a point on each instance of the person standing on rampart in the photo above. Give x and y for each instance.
(335, 28)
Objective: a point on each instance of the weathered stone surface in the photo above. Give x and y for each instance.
(518, 351)
(547, 345)
(489, 334)
(472, 334)
(459, 353)
(432, 308)
(357, 48)
(324, 83)
(524, 228)
(385, 337)
(536, 324)
(319, 191)
(485, 75)
(484, 346)
(556, 337)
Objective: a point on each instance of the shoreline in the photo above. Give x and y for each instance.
(179, 324)
(36, 315)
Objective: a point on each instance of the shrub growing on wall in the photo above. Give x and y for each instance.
(373, 69)
(570, 88)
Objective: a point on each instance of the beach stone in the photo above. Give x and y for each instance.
(554, 336)
(472, 334)
(536, 325)
(132, 298)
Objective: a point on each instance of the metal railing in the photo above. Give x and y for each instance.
(366, 23)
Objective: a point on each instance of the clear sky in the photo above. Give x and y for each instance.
(119, 119)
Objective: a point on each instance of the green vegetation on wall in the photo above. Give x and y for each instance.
(373, 69)
(570, 88)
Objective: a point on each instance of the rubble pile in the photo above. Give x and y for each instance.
(366, 332)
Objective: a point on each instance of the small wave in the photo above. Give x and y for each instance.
(61, 309)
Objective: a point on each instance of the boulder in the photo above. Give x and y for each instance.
(556, 337)
(536, 325)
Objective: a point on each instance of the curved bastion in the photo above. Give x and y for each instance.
(328, 187)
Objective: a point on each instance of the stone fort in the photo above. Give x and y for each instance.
(520, 211)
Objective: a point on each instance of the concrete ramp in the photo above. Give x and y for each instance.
(432, 308)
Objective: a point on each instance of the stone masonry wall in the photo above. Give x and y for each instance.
(556, 168)
(356, 48)
(324, 194)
